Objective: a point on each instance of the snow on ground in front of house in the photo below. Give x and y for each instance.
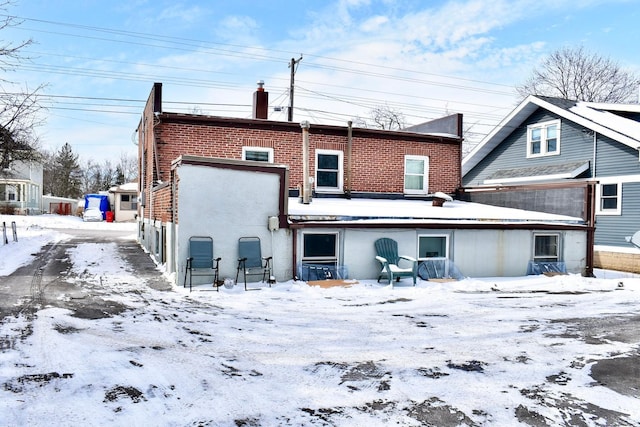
(293, 355)
(35, 231)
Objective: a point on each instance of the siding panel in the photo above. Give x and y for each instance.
(611, 230)
(575, 145)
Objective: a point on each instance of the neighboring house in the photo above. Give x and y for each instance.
(229, 177)
(21, 188)
(567, 157)
(124, 201)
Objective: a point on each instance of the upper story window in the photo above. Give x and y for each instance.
(609, 197)
(329, 170)
(543, 139)
(416, 174)
(258, 154)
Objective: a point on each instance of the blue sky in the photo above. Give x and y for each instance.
(425, 59)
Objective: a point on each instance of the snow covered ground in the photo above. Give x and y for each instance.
(491, 351)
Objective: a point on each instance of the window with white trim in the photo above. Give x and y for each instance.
(543, 139)
(416, 174)
(329, 170)
(128, 202)
(609, 197)
(433, 246)
(258, 154)
(320, 248)
(546, 247)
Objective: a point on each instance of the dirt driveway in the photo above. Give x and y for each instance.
(48, 278)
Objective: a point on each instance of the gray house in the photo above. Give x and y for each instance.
(566, 157)
(21, 188)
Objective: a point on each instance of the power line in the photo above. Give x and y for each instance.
(197, 45)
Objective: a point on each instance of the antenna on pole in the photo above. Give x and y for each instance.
(293, 65)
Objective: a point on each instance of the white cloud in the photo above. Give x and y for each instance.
(181, 13)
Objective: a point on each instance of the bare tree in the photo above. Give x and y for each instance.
(128, 165)
(573, 73)
(18, 121)
(383, 117)
(18, 110)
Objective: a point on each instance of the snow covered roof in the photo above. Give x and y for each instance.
(125, 188)
(401, 210)
(594, 116)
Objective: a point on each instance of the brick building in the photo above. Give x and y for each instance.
(176, 152)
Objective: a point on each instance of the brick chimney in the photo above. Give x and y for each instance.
(260, 102)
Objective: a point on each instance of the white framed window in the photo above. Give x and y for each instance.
(433, 246)
(128, 202)
(546, 247)
(609, 198)
(320, 247)
(416, 174)
(329, 170)
(543, 139)
(258, 154)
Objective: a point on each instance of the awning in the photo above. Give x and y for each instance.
(538, 173)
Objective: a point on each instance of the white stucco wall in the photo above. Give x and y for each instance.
(488, 253)
(227, 204)
(477, 253)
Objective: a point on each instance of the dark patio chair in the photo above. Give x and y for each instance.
(387, 256)
(200, 261)
(251, 262)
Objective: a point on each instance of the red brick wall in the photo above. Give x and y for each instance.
(378, 163)
(377, 156)
(162, 204)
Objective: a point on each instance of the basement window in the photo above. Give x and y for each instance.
(320, 248)
(546, 247)
(433, 246)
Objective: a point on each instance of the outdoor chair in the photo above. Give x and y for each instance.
(251, 262)
(387, 256)
(200, 261)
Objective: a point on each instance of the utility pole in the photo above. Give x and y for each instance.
(292, 65)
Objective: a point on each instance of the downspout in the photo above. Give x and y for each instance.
(595, 147)
(591, 230)
(591, 214)
(305, 161)
(295, 250)
(349, 162)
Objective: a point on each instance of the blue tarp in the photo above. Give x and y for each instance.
(99, 201)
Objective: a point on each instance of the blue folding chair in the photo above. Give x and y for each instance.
(200, 261)
(251, 262)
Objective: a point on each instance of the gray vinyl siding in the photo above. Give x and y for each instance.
(611, 230)
(575, 145)
(614, 158)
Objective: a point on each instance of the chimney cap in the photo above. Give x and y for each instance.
(260, 84)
